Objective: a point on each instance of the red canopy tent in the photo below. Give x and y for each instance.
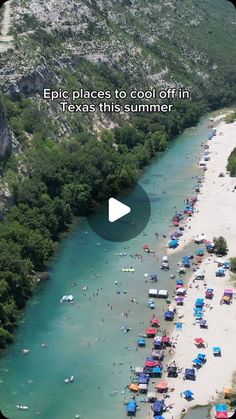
(199, 341)
(150, 332)
(155, 322)
(162, 386)
(165, 339)
(222, 415)
(152, 364)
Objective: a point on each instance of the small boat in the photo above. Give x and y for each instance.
(25, 351)
(22, 407)
(128, 269)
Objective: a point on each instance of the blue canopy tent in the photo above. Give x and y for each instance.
(186, 261)
(220, 272)
(158, 417)
(216, 351)
(221, 408)
(157, 371)
(143, 378)
(202, 357)
(141, 342)
(188, 394)
(158, 407)
(131, 408)
(169, 315)
(173, 244)
(200, 252)
(190, 374)
(197, 362)
(179, 282)
(199, 302)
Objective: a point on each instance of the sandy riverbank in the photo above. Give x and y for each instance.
(214, 217)
(216, 201)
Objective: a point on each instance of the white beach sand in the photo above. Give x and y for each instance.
(216, 201)
(215, 217)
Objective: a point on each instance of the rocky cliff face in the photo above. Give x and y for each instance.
(5, 135)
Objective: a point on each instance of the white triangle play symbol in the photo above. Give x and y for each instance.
(117, 210)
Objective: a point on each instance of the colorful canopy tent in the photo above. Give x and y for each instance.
(209, 293)
(199, 302)
(157, 371)
(222, 415)
(158, 407)
(190, 374)
(188, 394)
(228, 291)
(131, 408)
(181, 291)
(179, 300)
(155, 322)
(173, 244)
(142, 388)
(165, 339)
(221, 408)
(133, 387)
(202, 357)
(172, 371)
(169, 315)
(186, 261)
(200, 252)
(197, 362)
(179, 282)
(141, 342)
(162, 387)
(220, 272)
(203, 324)
(216, 351)
(199, 342)
(150, 332)
(158, 417)
(143, 378)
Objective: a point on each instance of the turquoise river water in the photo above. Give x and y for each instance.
(84, 339)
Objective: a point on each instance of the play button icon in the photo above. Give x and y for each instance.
(117, 210)
(123, 217)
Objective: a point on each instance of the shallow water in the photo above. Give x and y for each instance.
(85, 339)
(198, 413)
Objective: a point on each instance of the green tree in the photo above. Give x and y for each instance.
(221, 247)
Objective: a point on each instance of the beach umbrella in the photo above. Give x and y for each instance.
(221, 408)
(188, 394)
(158, 417)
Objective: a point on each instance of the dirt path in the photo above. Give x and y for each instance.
(5, 39)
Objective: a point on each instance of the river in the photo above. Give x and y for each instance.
(85, 339)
